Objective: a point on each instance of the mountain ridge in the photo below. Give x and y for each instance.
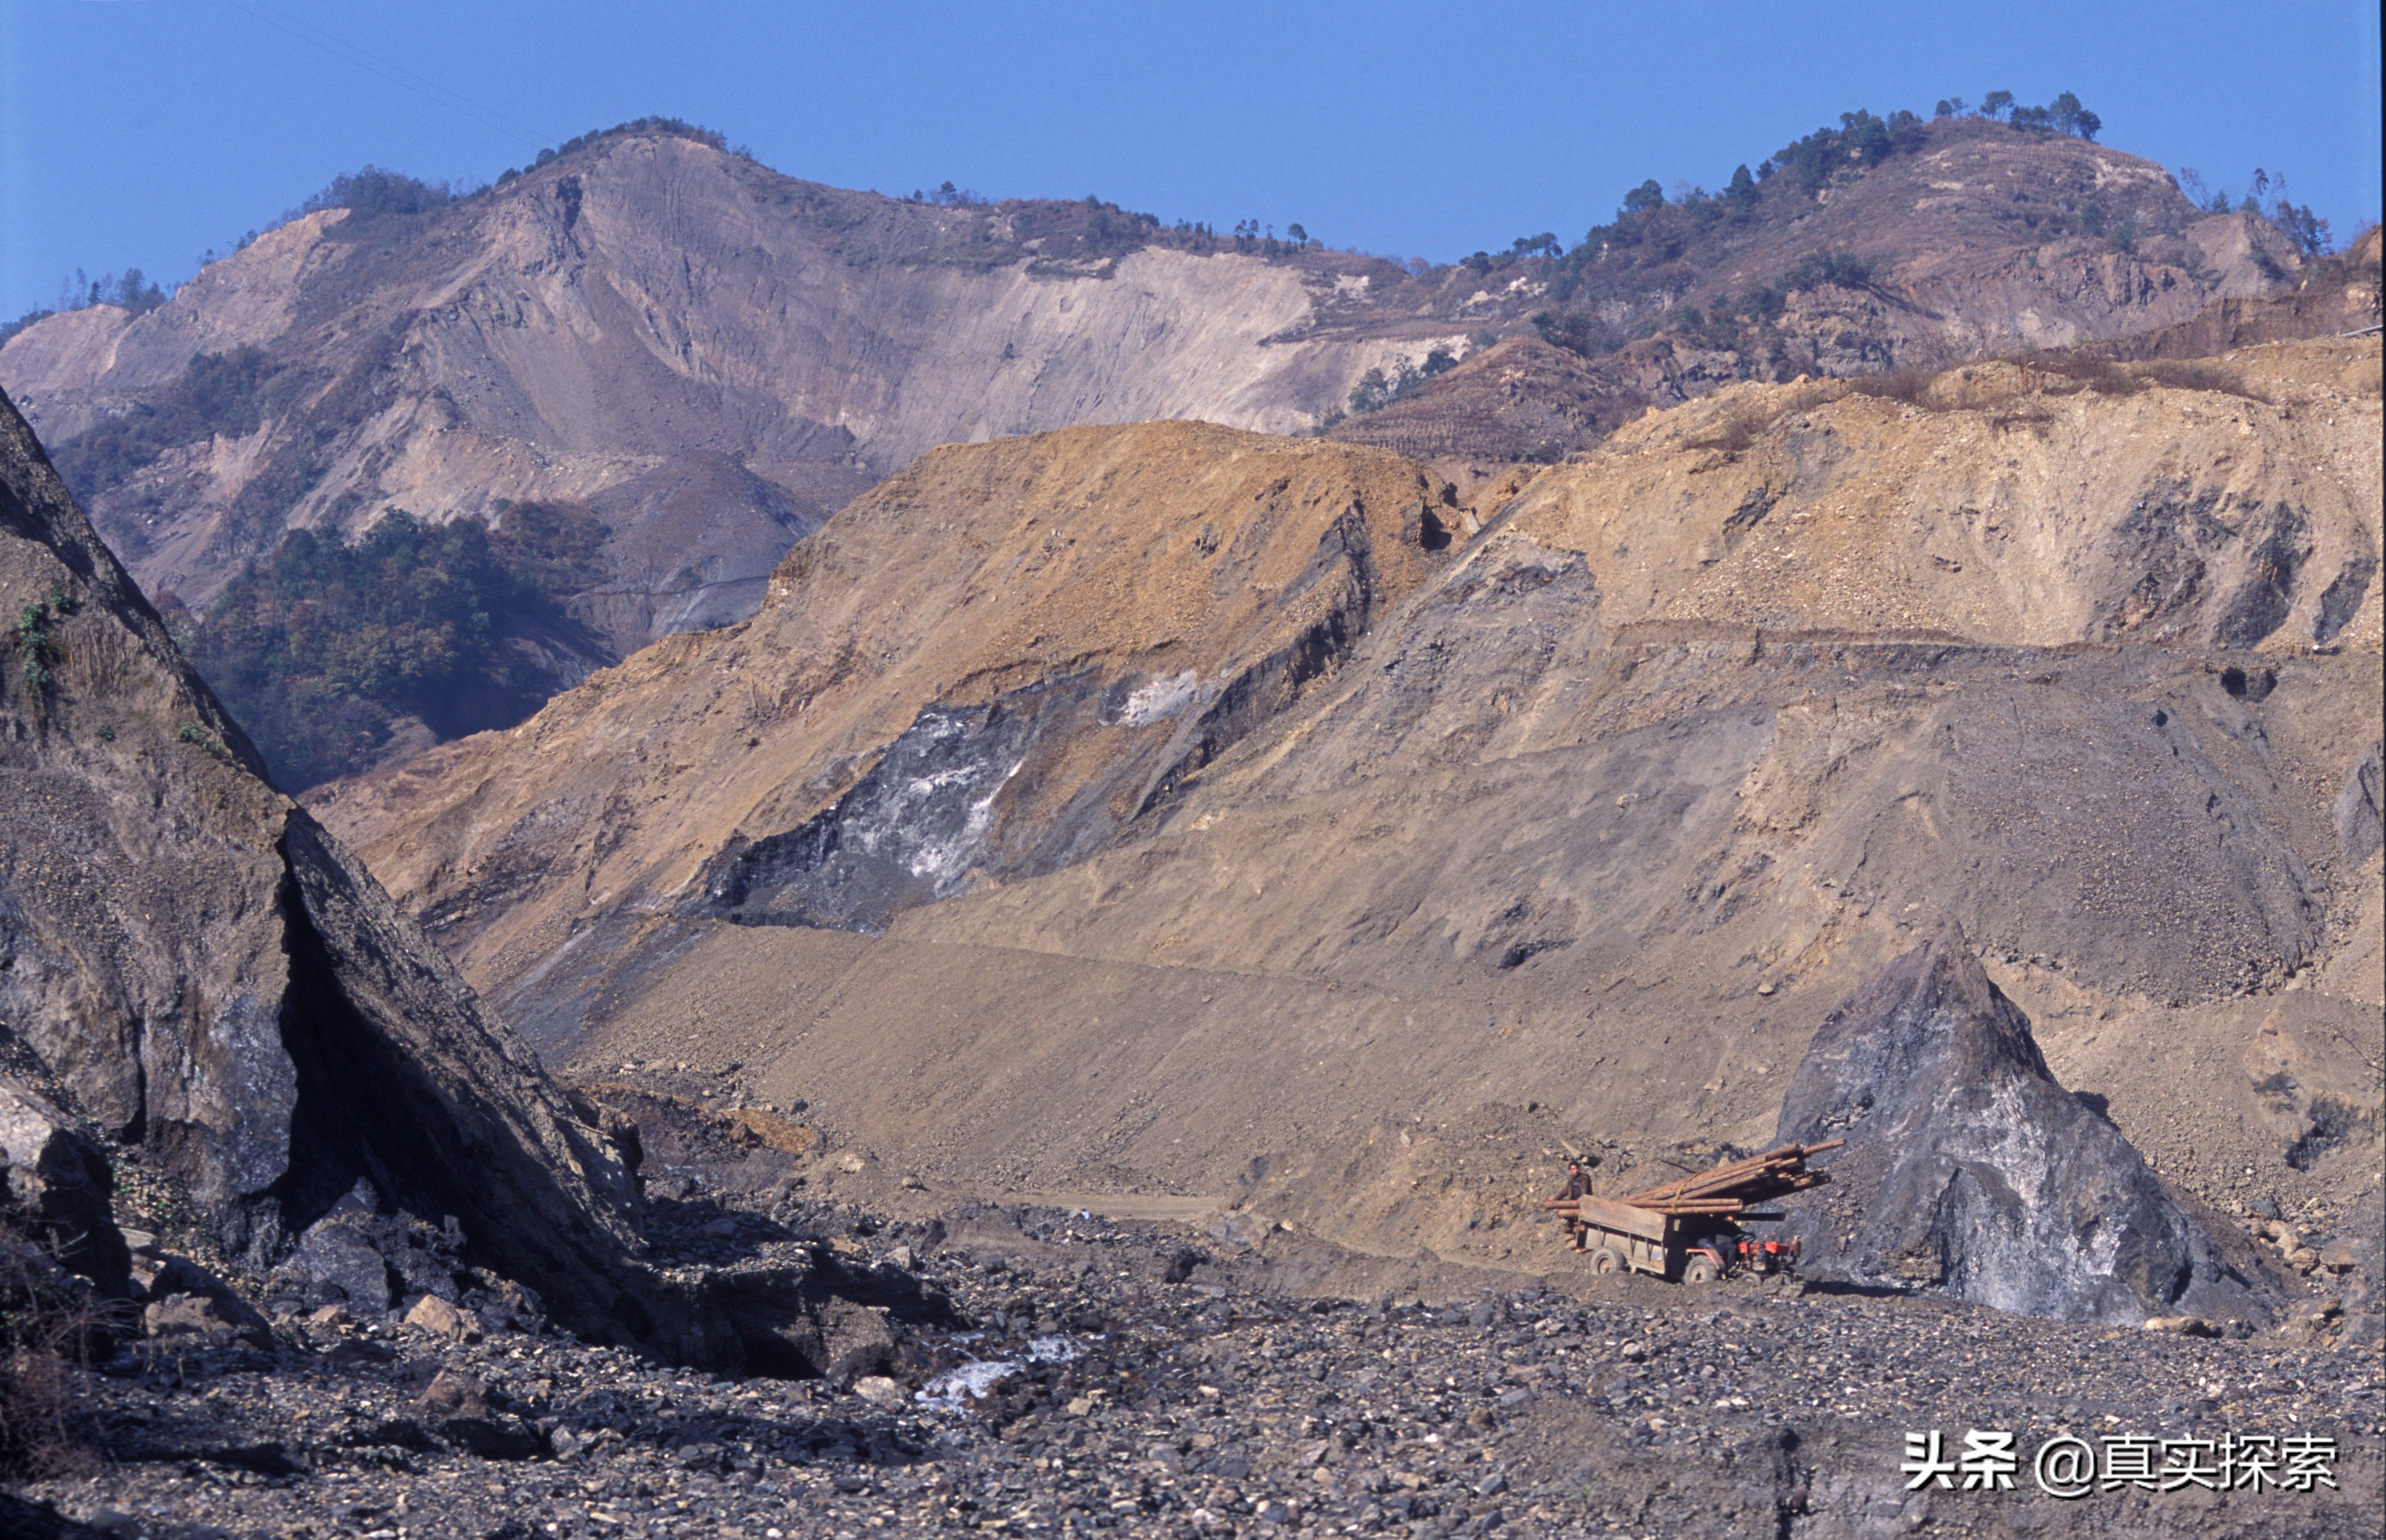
(708, 358)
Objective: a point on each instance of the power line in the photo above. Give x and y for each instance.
(396, 75)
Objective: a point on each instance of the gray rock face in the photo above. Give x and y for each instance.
(60, 1186)
(1967, 1168)
(2360, 826)
(210, 976)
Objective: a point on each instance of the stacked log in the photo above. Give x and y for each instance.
(1729, 1189)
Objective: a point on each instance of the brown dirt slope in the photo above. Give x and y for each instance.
(648, 301)
(1598, 811)
(1110, 607)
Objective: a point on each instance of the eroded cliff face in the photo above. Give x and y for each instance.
(212, 978)
(656, 306)
(1611, 785)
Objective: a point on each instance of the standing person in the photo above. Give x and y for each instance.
(1577, 1186)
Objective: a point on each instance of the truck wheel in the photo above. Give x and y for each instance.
(1698, 1270)
(1605, 1261)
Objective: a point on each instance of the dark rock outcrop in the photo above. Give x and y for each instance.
(55, 1184)
(1967, 1168)
(209, 976)
(800, 1316)
(2360, 828)
(205, 974)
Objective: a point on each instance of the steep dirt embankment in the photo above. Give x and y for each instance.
(1595, 823)
(993, 662)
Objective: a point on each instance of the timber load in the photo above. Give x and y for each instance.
(1689, 1229)
(1732, 1190)
(1728, 1189)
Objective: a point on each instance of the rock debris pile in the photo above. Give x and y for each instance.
(1134, 1381)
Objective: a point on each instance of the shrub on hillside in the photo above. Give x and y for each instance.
(371, 192)
(130, 290)
(1578, 331)
(1376, 390)
(220, 394)
(674, 128)
(2063, 114)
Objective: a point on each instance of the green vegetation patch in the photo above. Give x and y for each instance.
(319, 646)
(37, 649)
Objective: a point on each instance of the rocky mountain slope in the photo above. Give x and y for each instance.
(1927, 297)
(634, 311)
(195, 977)
(1168, 809)
(708, 358)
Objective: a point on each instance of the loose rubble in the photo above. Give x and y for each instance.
(1144, 1380)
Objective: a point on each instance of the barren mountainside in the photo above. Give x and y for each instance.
(1166, 807)
(647, 301)
(652, 296)
(698, 359)
(974, 865)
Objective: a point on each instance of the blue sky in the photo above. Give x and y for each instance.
(140, 132)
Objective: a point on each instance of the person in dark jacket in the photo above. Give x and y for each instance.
(1577, 1184)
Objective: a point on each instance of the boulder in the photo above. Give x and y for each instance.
(212, 1317)
(178, 1297)
(436, 1316)
(60, 1188)
(817, 1315)
(1967, 1168)
(882, 1392)
(337, 1264)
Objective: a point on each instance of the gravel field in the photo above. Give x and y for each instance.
(1155, 1385)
